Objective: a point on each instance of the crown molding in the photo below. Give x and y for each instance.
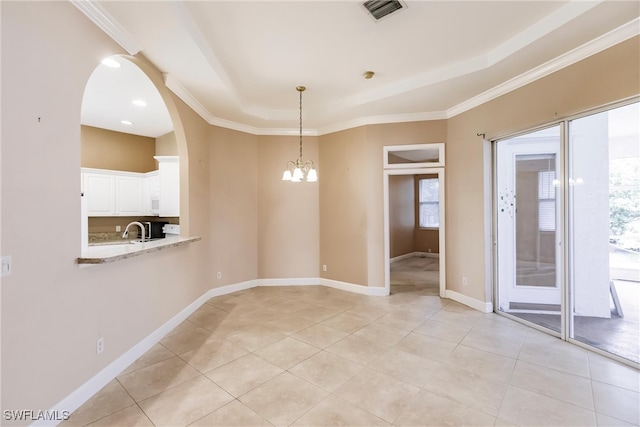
(610, 39)
(106, 23)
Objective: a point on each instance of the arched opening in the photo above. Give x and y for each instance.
(133, 155)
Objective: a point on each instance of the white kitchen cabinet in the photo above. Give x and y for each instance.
(113, 193)
(169, 172)
(151, 193)
(129, 195)
(100, 193)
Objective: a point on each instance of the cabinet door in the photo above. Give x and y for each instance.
(169, 188)
(129, 196)
(100, 191)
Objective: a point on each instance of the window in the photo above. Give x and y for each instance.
(547, 200)
(429, 202)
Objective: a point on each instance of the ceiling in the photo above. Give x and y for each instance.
(237, 63)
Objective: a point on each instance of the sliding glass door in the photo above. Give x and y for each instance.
(529, 227)
(604, 234)
(567, 204)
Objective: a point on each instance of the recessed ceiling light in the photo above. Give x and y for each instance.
(126, 122)
(110, 62)
(139, 103)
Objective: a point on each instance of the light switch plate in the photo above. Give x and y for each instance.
(7, 267)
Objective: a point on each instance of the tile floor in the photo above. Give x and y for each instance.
(316, 356)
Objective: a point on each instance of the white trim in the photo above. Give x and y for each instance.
(351, 287)
(413, 147)
(485, 307)
(87, 390)
(309, 281)
(106, 23)
(414, 254)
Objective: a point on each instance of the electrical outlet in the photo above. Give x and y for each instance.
(219, 275)
(324, 267)
(117, 228)
(464, 280)
(100, 345)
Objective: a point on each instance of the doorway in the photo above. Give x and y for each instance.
(567, 209)
(414, 220)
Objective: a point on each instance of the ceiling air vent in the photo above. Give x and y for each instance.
(379, 9)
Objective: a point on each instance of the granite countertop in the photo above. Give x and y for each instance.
(116, 251)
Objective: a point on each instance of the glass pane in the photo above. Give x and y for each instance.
(429, 202)
(529, 279)
(604, 215)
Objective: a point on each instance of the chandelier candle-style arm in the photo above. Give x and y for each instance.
(297, 170)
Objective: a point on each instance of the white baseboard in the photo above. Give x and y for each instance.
(485, 307)
(351, 287)
(414, 254)
(87, 390)
(309, 281)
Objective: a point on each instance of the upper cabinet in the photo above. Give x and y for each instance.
(169, 171)
(120, 193)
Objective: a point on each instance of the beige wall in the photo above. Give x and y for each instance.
(166, 145)
(288, 220)
(609, 76)
(343, 206)
(231, 195)
(402, 215)
(106, 149)
(52, 311)
(233, 205)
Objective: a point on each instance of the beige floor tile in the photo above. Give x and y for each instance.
(155, 354)
(494, 343)
(185, 403)
(462, 319)
(287, 353)
(426, 347)
(368, 312)
(358, 349)
(208, 317)
(130, 417)
(611, 372)
(146, 382)
(429, 409)
(406, 367)
(244, 374)
(283, 399)
(320, 335)
(234, 414)
(252, 338)
(327, 370)
(526, 408)
(617, 402)
(463, 385)
(337, 412)
(607, 421)
(405, 319)
(444, 331)
(290, 324)
(187, 340)
(556, 354)
(112, 398)
(213, 354)
(379, 394)
(318, 314)
(549, 382)
(491, 366)
(186, 325)
(381, 334)
(346, 323)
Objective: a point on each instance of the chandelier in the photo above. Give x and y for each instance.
(297, 170)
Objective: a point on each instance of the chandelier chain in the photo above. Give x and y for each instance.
(300, 123)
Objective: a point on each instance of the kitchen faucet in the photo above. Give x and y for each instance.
(139, 224)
